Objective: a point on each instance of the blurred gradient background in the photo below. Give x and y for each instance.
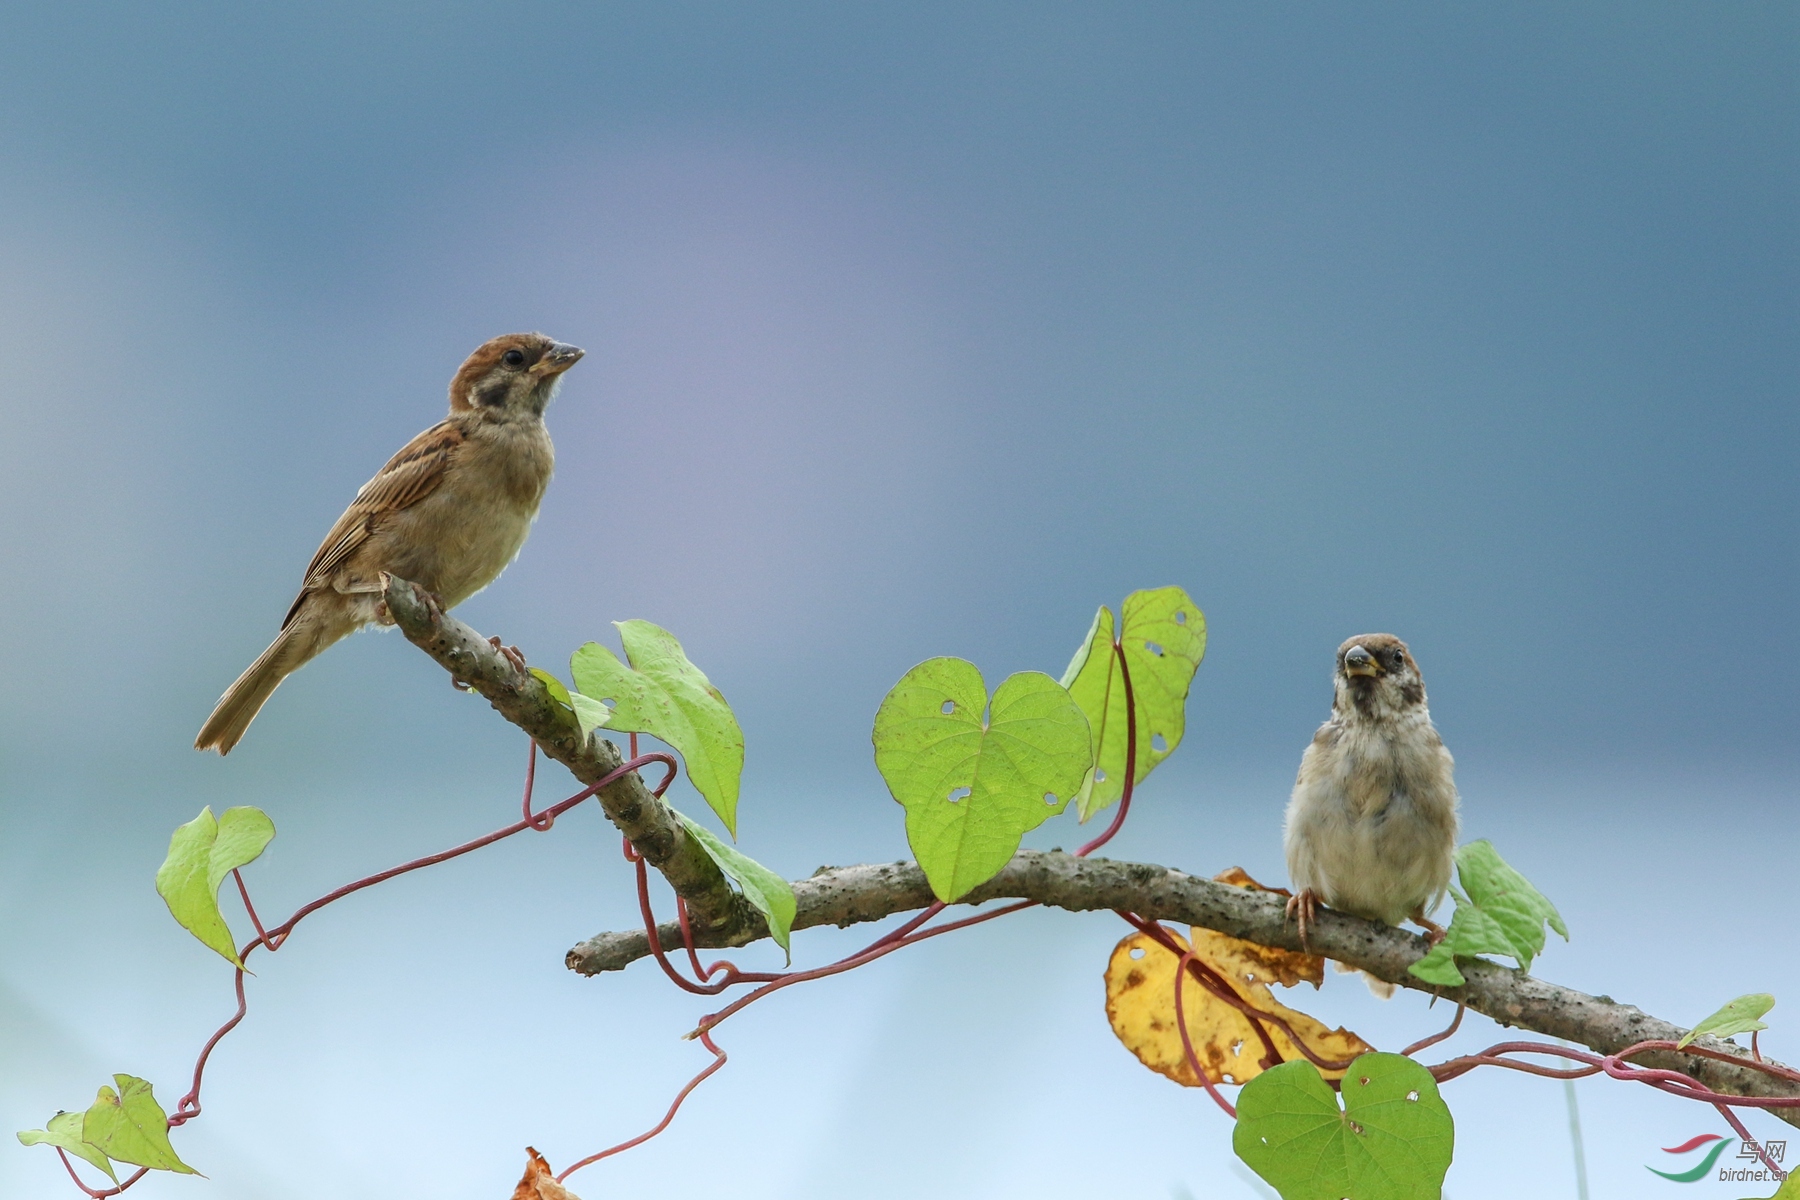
(912, 330)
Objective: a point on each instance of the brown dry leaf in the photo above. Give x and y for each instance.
(540, 1181)
(1140, 1003)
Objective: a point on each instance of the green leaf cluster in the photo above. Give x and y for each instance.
(1391, 1140)
(201, 854)
(126, 1125)
(1163, 636)
(666, 696)
(1497, 912)
(974, 778)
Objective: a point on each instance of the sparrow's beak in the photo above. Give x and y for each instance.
(559, 358)
(1360, 662)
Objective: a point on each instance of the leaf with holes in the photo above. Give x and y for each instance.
(664, 695)
(1164, 639)
(1497, 912)
(972, 787)
(130, 1125)
(768, 892)
(1743, 1015)
(1391, 1140)
(201, 854)
(64, 1129)
(1140, 1004)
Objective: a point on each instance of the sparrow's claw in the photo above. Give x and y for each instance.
(510, 653)
(1434, 933)
(1304, 908)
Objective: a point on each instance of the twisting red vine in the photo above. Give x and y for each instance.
(715, 978)
(913, 930)
(188, 1107)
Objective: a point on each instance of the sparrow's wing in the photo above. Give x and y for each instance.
(410, 476)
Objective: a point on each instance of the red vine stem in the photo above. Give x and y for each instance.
(1125, 789)
(1614, 1065)
(1189, 966)
(188, 1107)
(1674, 1082)
(280, 932)
(1731, 1119)
(718, 1061)
(1206, 977)
(912, 931)
(1434, 1039)
(544, 821)
(1187, 1045)
(905, 934)
(732, 974)
(868, 954)
(112, 1191)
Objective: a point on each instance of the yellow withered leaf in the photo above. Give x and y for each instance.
(1140, 1003)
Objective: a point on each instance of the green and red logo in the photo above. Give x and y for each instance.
(1761, 1157)
(1704, 1166)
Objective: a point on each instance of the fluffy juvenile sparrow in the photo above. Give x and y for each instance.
(1371, 826)
(448, 512)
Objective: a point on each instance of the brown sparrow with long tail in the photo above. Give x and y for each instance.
(1371, 826)
(448, 512)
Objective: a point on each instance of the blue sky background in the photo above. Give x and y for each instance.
(912, 330)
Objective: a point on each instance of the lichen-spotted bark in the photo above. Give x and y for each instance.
(852, 895)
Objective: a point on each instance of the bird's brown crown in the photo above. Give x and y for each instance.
(512, 361)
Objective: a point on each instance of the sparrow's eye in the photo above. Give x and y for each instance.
(513, 358)
(1399, 659)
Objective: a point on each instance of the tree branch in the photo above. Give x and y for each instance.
(523, 699)
(851, 895)
(846, 896)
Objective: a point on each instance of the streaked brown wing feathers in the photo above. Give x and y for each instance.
(410, 476)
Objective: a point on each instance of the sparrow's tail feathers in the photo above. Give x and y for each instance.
(1382, 989)
(301, 641)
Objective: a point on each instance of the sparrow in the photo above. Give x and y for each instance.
(448, 512)
(1371, 825)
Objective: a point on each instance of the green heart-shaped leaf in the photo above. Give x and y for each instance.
(64, 1129)
(1497, 912)
(664, 695)
(201, 854)
(1391, 1140)
(130, 1125)
(1164, 639)
(1743, 1015)
(973, 788)
(768, 892)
